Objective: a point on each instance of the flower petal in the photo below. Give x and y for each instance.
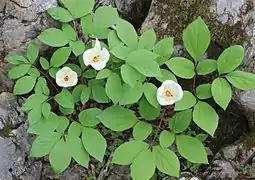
(86, 56)
(105, 55)
(99, 65)
(74, 79)
(97, 44)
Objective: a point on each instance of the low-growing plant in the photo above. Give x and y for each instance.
(102, 73)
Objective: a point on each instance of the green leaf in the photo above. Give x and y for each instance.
(206, 66)
(33, 101)
(230, 59)
(242, 80)
(113, 39)
(206, 117)
(147, 40)
(117, 118)
(34, 72)
(126, 152)
(191, 149)
(94, 143)
(147, 111)
(46, 110)
(127, 33)
(222, 92)
(75, 129)
(145, 64)
(60, 14)
(77, 151)
(66, 111)
(32, 52)
(65, 99)
(15, 59)
(196, 38)
(130, 75)
(131, 95)
(24, 85)
(35, 114)
(165, 47)
(77, 47)
(85, 94)
(63, 124)
(143, 167)
(60, 56)
(104, 73)
(166, 161)
(89, 118)
(99, 94)
(91, 73)
(166, 139)
(121, 52)
(150, 92)
(91, 30)
(69, 32)
(19, 71)
(44, 125)
(43, 144)
(77, 92)
(180, 121)
(41, 87)
(60, 156)
(77, 8)
(204, 91)
(141, 131)
(166, 75)
(113, 87)
(53, 37)
(186, 102)
(44, 63)
(105, 16)
(181, 67)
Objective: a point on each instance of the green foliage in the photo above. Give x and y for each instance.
(222, 92)
(141, 131)
(196, 38)
(191, 149)
(166, 161)
(203, 91)
(166, 139)
(180, 121)
(70, 123)
(201, 118)
(53, 37)
(181, 67)
(186, 102)
(230, 59)
(127, 33)
(117, 118)
(241, 80)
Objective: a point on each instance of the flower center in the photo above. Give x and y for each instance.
(66, 78)
(96, 58)
(168, 94)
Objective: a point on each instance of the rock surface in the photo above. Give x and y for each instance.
(232, 161)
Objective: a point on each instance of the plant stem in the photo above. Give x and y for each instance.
(46, 76)
(194, 79)
(158, 128)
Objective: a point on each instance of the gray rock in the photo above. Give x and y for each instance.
(14, 140)
(229, 161)
(119, 173)
(33, 172)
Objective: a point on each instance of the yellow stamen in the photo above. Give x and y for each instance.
(96, 58)
(168, 94)
(66, 78)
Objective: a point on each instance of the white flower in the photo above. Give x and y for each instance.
(96, 57)
(66, 77)
(194, 178)
(169, 93)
